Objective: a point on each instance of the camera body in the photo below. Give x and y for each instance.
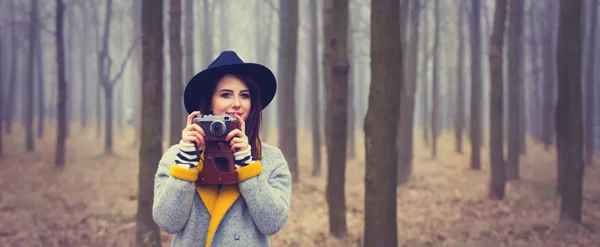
(216, 127)
(219, 162)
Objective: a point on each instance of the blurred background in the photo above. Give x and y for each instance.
(472, 97)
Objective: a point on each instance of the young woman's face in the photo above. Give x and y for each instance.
(231, 96)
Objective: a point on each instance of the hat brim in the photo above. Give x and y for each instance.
(264, 78)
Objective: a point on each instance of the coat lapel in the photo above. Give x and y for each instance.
(229, 194)
(209, 195)
(218, 203)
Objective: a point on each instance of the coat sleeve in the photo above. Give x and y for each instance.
(174, 192)
(267, 193)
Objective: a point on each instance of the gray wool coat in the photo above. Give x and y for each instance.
(235, 215)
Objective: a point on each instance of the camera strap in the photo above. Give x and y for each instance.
(198, 152)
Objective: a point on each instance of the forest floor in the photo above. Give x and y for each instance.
(92, 201)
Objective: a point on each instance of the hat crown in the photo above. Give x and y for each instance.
(226, 58)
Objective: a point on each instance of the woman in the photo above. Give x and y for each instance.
(242, 214)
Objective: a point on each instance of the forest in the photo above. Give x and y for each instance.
(403, 122)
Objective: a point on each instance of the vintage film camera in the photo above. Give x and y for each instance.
(219, 162)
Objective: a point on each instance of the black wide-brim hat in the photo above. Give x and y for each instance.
(229, 62)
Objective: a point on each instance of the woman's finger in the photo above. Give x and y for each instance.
(191, 116)
(242, 123)
(237, 147)
(233, 133)
(190, 139)
(201, 138)
(198, 129)
(198, 141)
(236, 140)
(185, 136)
(189, 120)
(196, 134)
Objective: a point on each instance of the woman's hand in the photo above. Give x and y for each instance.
(193, 133)
(238, 140)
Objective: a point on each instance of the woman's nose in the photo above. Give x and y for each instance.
(236, 101)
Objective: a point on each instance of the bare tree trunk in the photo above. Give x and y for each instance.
(264, 44)
(315, 83)
(485, 31)
(536, 106)
(259, 41)
(522, 103)
(208, 32)
(83, 54)
(434, 84)
(62, 87)
(407, 103)
(476, 86)
(381, 124)
(362, 88)
(327, 31)
(448, 96)
(351, 153)
(549, 75)
(108, 118)
(288, 49)
(120, 90)
(425, 82)
(99, 70)
(515, 73)
(498, 173)
(137, 61)
(41, 86)
(176, 56)
(460, 84)
(52, 114)
(589, 84)
(404, 25)
(12, 77)
(29, 95)
(99, 106)
(147, 232)
(336, 126)
(550, 78)
(189, 71)
(2, 71)
(108, 83)
(569, 119)
(522, 79)
(223, 24)
(70, 65)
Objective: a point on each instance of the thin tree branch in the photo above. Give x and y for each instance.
(124, 64)
(272, 5)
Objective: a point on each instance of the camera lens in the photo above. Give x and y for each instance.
(217, 128)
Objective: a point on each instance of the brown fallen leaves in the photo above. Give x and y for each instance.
(93, 200)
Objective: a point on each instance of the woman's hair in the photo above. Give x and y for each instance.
(254, 121)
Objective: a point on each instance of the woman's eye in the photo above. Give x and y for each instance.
(246, 96)
(225, 95)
